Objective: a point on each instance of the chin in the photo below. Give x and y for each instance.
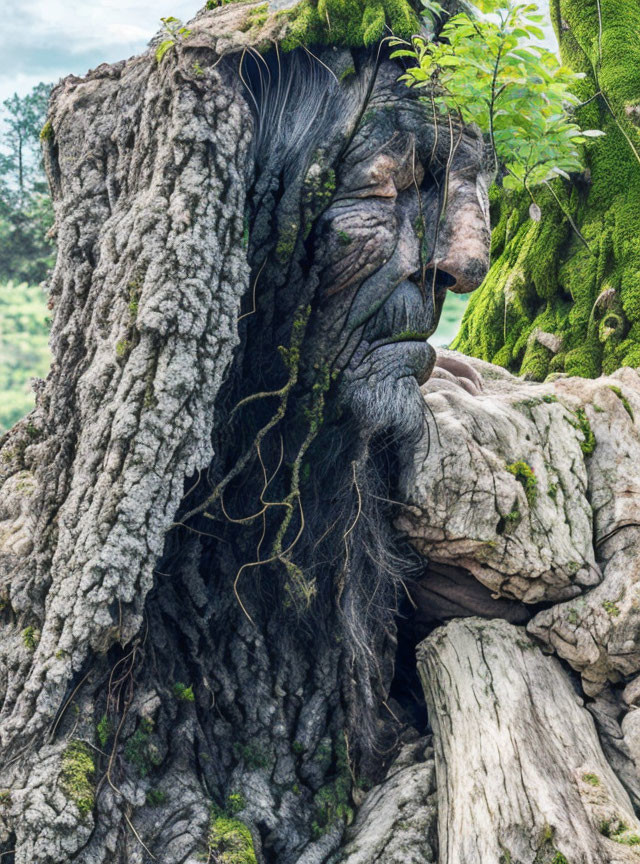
(382, 389)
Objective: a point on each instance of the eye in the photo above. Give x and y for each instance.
(384, 175)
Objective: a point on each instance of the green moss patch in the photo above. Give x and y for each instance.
(347, 23)
(623, 399)
(230, 841)
(77, 776)
(581, 423)
(525, 475)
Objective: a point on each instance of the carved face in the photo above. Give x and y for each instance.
(409, 220)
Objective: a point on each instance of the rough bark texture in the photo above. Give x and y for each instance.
(397, 822)
(521, 774)
(166, 694)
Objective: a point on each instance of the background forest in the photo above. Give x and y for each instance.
(26, 252)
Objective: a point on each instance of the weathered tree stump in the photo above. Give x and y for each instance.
(521, 775)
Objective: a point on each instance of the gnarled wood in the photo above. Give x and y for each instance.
(521, 774)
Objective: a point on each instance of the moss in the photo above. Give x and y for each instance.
(552, 491)
(30, 638)
(77, 776)
(104, 730)
(628, 840)
(511, 519)
(183, 693)
(333, 801)
(235, 803)
(230, 841)
(610, 608)
(123, 346)
(347, 23)
(140, 750)
(253, 755)
(5, 797)
(134, 299)
(287, 242)
(591, 779)
(525, 475)
(623, 399)
(542, 276)
(349, 72)
(46, 133)
(618, 831)
(257, 16)
(155, 797)
(559, 858)
(581, 423)
(344, 238)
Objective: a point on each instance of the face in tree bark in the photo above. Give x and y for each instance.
(199, 575)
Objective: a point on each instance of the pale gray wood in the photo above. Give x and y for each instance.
(521, 775)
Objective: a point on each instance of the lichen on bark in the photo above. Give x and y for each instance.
(549, 303)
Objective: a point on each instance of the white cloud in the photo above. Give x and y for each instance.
(44, 40)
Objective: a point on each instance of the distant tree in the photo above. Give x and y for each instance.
(25, 206)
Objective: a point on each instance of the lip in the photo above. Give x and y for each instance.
(399, 339)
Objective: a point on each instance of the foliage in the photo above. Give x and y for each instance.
(581, 423)
(23, 348)
(104, 730)
(140, 750)
(174, 33)
(26, 214)
(625, 402)
(543, 277)
(30, 638)
(155, 797)
(485, 71)
(229, 840)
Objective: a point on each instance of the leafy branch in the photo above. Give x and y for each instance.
(489, 71)
(175, 32)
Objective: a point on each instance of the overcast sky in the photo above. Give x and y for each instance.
(43, 40)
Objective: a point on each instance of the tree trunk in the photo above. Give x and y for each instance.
(520, 771)
(175, 682)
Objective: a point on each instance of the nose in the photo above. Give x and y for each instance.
(462, 248)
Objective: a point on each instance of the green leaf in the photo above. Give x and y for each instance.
(162, 49)
(535, 31)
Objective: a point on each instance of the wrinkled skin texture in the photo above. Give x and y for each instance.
(390, 247)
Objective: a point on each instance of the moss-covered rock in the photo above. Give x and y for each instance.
(545, 278)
